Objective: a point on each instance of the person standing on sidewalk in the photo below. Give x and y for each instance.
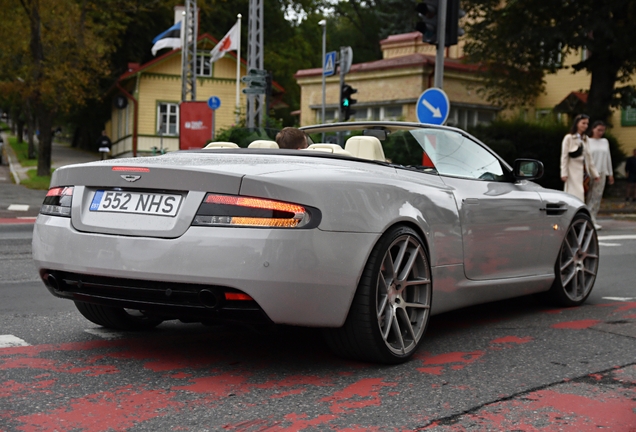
(630, 172)
(103, 144)
(576, 159)
(600, 152)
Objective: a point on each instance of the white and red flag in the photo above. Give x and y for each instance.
(230, 42)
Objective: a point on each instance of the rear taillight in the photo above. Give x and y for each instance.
(234, 210)
(58, 201)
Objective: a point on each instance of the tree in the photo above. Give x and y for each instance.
(518, 42)
(57, 56)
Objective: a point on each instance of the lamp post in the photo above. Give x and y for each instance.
(323, 24)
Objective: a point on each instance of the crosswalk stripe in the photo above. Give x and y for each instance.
(18, 207)
(8, 341)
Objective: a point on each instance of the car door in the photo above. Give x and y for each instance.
(502, 224)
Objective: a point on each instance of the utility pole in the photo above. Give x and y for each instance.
(255, 102)
(189, 52)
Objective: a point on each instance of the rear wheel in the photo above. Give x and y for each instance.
(577, 264)
(117, 318)
(391, 308)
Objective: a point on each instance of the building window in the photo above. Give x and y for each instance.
(628, 116)
(168, 118)
(330, 115)
(464, 118)
(392, 112)
(542, 113)
(204, 67)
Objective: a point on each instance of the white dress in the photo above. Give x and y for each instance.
(600, 152)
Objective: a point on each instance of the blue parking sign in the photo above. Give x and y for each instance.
(433, 107)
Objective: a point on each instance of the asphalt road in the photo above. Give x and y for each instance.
(512, 365)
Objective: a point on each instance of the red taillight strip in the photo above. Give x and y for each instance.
(131, 169)
(258, 203)
(60, 191)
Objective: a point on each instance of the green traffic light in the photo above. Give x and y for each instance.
(345, 102)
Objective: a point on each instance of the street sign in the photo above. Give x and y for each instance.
(346, 58)
(255, 90)
(214, 102)
(433, 107)
(329, 68)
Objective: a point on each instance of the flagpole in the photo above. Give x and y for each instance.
(238, 70)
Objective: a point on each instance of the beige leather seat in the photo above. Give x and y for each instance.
(329, 148)
(365, 147)
(263, 144)
(221, 144)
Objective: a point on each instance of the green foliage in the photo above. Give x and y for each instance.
(37, 182)
(513, 139)
(21, 150)
(519, 42)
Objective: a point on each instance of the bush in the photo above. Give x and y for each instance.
(513, 139)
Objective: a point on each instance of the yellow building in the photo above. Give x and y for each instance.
(155, 87)
(389, 88)
(566, 92)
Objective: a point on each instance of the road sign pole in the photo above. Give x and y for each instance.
(324, 77)
(441, 44)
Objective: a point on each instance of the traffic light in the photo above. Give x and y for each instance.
(428, 20)
(428, 12)
(453, 14)
(346, 101)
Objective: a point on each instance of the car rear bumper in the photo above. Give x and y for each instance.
(299, 277)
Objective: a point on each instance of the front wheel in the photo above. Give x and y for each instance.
(577, 264)
(391, 307)
(117, 318)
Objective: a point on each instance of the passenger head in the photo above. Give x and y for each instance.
(580, 124)
(291, 138)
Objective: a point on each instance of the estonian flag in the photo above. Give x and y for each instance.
(171, 38)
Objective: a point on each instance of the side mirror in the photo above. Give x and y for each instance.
(527, 169)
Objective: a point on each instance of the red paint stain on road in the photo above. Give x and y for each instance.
(24, 362)
(361, 394)
(435, 370)
(114, 410)
(576, 325)
(296, 380)
(299, 423)
(456, 360)
(218, 386)
(14, 389)
(512, 340)
(626, 306)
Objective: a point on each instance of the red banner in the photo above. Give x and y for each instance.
(195, 125)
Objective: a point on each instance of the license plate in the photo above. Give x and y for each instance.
(136, 202)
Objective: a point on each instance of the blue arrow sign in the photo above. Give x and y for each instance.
(433, 107)
(214, 102)
(329, 68)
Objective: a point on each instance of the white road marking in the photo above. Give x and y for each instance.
(623, 299)
(105, 333)
(7, 341)
(609, 244)
(18, 207)
(618, 237)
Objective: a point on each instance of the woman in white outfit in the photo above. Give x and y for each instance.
(600, 152)
(575, 157)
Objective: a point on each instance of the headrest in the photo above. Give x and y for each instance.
(365, 147)
(329, 148)
(263, 144)
(221, 144)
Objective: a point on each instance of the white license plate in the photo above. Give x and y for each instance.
(136, 202)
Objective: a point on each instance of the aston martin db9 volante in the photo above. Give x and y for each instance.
(366, 239)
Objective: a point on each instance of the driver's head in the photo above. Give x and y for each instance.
(291, 138)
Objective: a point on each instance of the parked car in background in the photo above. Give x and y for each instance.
(366, 241)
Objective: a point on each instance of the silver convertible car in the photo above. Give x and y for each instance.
(366, 239)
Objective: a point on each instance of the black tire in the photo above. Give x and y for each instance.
(390, 310)
(116, 318)
(576, 265)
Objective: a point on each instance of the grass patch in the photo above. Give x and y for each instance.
(35, 181)
(22, 152)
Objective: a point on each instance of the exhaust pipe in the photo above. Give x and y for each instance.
(209, 299)
(52, 282)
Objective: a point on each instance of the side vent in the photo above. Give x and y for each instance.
(554, 209)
